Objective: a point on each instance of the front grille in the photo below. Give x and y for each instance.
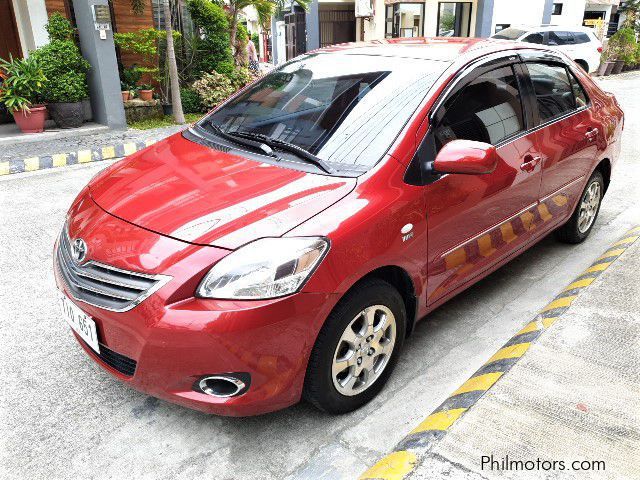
(124, 365)
(102, 285)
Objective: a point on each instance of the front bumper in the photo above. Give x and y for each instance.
(175, 339)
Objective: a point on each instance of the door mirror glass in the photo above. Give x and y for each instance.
(466, 157)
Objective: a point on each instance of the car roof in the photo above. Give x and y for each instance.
(551, 28)
(425, 48)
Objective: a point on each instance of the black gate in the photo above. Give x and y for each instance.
(337, 26)
(295, 34)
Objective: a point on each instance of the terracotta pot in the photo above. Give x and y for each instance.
(67, 114)
(609, 67)
(126, 95)
(617, 68)
(146, 95)
(31, 121)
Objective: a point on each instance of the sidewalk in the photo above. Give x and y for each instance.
(42, 152)
(574, 395)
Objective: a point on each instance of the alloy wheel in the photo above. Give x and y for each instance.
(364, 350)
(589, 207)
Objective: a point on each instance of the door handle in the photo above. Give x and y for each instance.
(529, 163)
(591, 133)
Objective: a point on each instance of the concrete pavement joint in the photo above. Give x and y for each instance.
(408, 453)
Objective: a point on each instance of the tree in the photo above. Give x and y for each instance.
(264, 8)
(178, 115)
(631, 9)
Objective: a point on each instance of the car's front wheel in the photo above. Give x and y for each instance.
(357, 348)
(584, 216)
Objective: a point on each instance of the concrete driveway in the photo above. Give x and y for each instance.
(62, 416)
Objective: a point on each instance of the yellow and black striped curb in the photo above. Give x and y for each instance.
(95, 154)
(406, 454)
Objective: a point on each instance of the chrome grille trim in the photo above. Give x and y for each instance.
(103, 285)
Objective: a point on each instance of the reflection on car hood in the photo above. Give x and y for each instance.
(200, 195)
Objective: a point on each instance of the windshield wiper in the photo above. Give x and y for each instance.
(241, 139)
(290, 147)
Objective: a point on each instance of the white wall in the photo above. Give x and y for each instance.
(572, 13)
(31, 17)
(374, 27)
(517, 12)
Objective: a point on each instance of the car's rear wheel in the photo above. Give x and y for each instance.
(357, 348)
(584, 65)
(584, 216)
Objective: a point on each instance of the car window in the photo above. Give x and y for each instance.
(346, 109)
(578, 92)
(489, 109)
(581, 37)
(509, 34)
(560, 38)
(554, 93)
(534, 38)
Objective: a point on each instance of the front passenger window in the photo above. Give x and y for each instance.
(486, 110)
(554, 93)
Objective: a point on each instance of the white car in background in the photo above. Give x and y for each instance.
(579, 43)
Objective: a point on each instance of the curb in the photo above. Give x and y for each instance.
(95, 154)
(406, 455)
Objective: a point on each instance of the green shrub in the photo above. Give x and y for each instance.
(190, 101)
(239, 77)
(59, 28)
(130, 76)
(67, 87)
(62, 64)
(212, 47)
(213, 88)
(622, 45)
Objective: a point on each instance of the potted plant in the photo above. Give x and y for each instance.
(145, 91)
(66, 72)
(129, 78)
(126, 92)
(622, 44)
(20, 89)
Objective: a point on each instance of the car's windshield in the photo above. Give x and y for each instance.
(509, 34)
(346, 109)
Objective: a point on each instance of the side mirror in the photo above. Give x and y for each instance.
(466, 157)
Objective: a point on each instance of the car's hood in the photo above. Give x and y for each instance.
(200, 195)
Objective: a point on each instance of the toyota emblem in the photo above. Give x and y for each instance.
(78, 250)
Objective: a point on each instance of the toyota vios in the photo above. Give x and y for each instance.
(284, 246)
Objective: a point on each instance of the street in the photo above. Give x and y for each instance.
(62, 416)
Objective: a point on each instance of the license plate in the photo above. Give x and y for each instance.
(80, 322)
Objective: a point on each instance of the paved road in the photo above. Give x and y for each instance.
(63, 417)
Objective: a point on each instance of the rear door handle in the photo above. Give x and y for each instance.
(529, 163)
(591, 133)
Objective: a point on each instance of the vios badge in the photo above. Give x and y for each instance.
(78, 250)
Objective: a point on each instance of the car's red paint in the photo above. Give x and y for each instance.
(193, 193)
(177, 208)
(466, 157)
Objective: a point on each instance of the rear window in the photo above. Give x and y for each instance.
(344, 108)
(509, 34)
(581, 37)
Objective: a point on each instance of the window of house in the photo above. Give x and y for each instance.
(553, 89)
(534, 38)
(489, 109)
(454, 19)
(404, 20)
(557, 9)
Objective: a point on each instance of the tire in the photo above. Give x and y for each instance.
(571, 232)
(320, 385)
(584, 65)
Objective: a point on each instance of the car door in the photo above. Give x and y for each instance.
(567, 135)
(474, 221)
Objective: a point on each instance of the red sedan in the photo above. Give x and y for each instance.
(284, 246)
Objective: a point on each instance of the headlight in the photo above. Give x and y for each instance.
(266, 268)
